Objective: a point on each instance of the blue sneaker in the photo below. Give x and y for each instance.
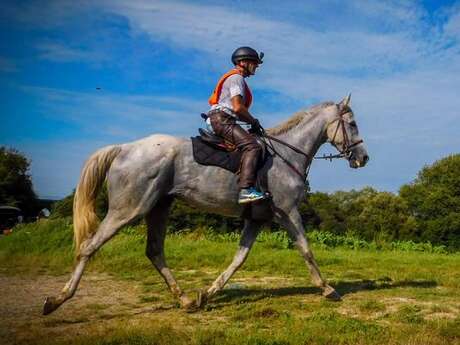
(249, 195)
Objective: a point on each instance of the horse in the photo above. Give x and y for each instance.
(145, 176)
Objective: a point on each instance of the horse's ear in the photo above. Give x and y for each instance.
(345, 102)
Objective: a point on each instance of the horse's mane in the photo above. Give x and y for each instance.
(295, 119)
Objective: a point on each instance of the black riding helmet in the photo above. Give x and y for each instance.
(246, 53)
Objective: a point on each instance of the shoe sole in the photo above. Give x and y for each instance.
(247, 201)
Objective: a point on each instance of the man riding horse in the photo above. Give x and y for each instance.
(145, 176)
(230, 102)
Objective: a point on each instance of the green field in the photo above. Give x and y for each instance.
(389, 296)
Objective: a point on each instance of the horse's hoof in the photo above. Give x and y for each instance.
(332, 295)
(189, 306)
(50, 305)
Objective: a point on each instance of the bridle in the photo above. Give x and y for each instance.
(347, 145)
(344, 152)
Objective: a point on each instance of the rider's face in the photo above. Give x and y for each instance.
(251, 66)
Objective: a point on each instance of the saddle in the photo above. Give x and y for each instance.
(210, 149)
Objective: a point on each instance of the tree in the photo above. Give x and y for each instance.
(365, 213)
(15, 182)
(434, 200)
(383, 216)
(322, 212)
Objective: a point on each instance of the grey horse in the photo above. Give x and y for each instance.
(145, 176)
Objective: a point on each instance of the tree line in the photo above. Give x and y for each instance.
(425, 210)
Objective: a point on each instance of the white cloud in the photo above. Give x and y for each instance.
(217, 30)
(119, 116)
(60, 52)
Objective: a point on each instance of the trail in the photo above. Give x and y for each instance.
(100, 301)
(104, 305)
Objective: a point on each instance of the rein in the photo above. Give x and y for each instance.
(345, 152)
(295, 149)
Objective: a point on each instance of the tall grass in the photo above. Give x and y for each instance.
(48, 243)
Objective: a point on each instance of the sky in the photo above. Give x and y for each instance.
(79, 75)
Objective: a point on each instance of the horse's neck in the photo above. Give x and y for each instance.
(308, 136)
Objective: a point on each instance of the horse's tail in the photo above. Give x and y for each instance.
(85, 220)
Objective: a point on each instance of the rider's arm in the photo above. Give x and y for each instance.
(240, 109)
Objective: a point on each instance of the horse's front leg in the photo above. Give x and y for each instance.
(248, 237)
(292, 221)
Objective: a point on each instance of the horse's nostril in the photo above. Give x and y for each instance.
(365, 159)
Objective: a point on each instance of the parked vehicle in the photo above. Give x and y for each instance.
(9, 217)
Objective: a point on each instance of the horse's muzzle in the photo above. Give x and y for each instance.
(358, 161)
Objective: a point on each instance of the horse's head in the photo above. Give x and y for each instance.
(343, 134)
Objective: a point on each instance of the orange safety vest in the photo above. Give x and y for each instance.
(214, 99)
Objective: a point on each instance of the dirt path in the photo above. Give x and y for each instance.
(104, 304)
(99, 301)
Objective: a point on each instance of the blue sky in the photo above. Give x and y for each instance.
(156, 63)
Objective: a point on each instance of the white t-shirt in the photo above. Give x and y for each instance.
(233, 86)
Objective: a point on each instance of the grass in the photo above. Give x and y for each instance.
(391, 295)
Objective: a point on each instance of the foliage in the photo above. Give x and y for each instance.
(367, 214)
(428, 210)
(383, 217)
(64, 207)
(275, 240)
(15, 182)
(183, 217)
(323, 213)
(330, 240)
(433, 199)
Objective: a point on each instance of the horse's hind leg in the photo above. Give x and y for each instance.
(113, 222)
(156, 232)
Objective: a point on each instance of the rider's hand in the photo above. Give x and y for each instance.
(256, 127)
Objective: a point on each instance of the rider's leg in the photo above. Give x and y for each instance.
(226, 127)
(250, 158)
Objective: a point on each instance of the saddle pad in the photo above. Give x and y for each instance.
(207, 154)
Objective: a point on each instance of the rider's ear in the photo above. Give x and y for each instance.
(345, 102)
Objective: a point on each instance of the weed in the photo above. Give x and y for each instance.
(409, 314)
(450, 330)
(371, 306)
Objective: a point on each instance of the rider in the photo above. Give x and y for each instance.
(230, 102)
